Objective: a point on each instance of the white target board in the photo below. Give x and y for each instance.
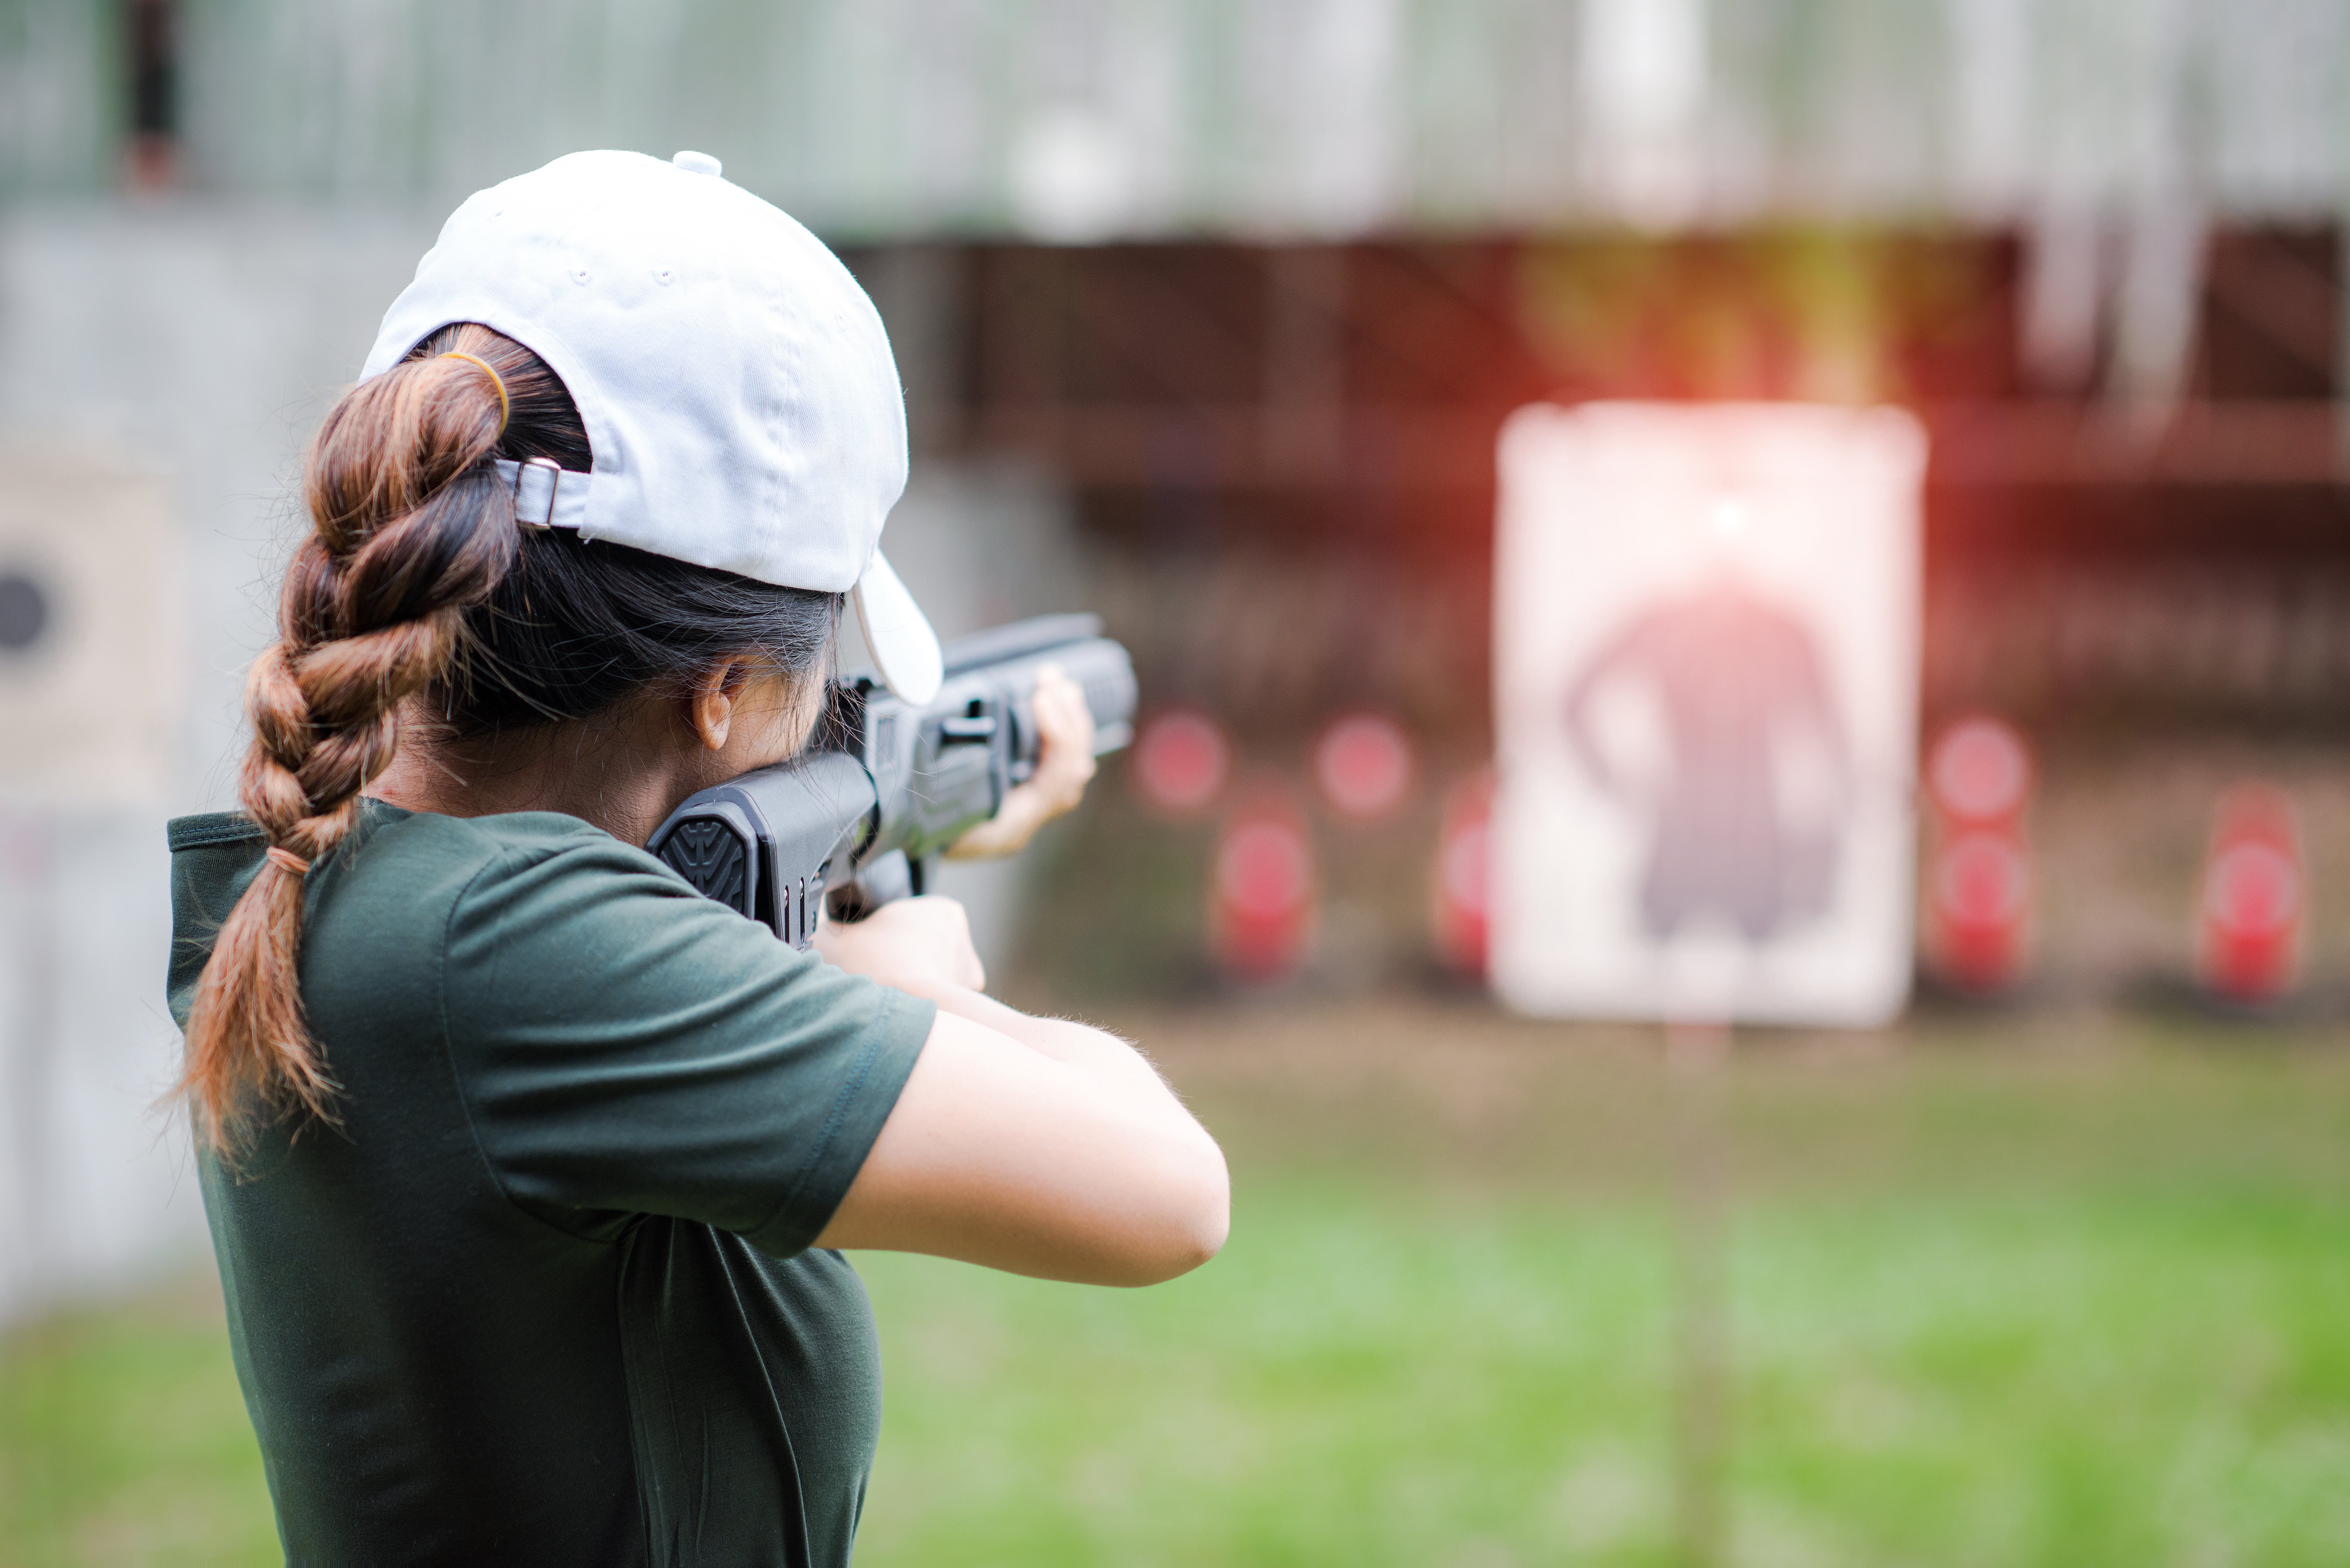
(1706, 633)
(92, 669)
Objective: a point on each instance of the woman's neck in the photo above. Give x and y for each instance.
(624, 771)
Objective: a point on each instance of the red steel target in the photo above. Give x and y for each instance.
(1982, 893)
(1182, 760)
(2254, 905)
(1979, 881)
(1979, 772)
(1462, 879)
(1364, 765)
(1262, 891)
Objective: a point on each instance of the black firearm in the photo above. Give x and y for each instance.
(886, 786)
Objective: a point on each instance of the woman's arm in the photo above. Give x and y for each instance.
(1031, 1145)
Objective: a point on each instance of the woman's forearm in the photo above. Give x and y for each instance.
(922, 946)
(1095, 1052)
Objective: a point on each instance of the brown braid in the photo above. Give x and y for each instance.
(412, 527)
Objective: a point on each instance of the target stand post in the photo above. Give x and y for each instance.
(1697, 1064)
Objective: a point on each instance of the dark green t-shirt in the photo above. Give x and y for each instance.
(545, 1294)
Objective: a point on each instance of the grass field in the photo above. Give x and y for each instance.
(2063, 1291)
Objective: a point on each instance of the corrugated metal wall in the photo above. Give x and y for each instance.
(1085, 118)
(61, 96)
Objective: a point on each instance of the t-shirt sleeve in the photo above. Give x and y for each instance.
(626, 1047)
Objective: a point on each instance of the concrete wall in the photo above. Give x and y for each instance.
(202, 342)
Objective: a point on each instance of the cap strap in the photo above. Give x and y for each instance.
(545, 493)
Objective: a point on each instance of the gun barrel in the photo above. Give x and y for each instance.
(1102, 671)
(892, 786)
(1003, 644)
(943, 769)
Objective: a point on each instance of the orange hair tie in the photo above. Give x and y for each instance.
(505, 405)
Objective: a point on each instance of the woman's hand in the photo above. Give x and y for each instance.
(1064, 765)
(917, 945)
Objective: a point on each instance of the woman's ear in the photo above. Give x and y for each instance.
(711, 708)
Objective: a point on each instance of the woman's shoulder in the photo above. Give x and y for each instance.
(522, 879)
(486, 848)
(516, 836)
(399, 863)
(523, 830)
(380, 822)
(535, 845)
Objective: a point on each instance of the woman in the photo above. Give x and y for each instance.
(526, 1167)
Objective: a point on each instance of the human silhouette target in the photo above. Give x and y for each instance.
(1739, 680)
(1705, 691)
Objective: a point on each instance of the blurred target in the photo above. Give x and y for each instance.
(92, 665)
(1364, 765)
(23, 612)
(1980, 888)
(1462, 876)
(2254, 905)
(1979, 882)
(1705, 671)
(1182, 760)
(1979, 771)
(1262, 891)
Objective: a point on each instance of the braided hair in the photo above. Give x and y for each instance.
(417, 597)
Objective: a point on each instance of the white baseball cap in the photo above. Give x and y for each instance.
(736, 384)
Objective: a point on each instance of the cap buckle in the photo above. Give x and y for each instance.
(554, 479)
